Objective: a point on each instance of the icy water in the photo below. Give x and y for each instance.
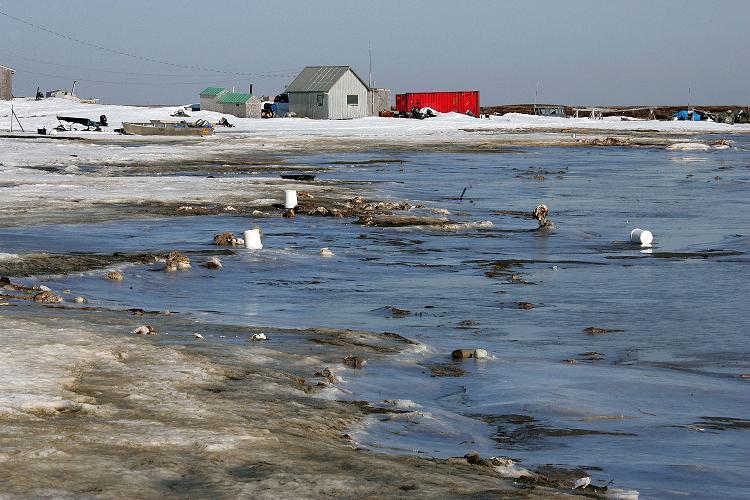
(659, 405)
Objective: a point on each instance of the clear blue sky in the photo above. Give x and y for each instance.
(579, 52)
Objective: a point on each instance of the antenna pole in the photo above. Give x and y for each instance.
(369, 52)
(372, 94)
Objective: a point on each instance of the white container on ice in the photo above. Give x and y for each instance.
(290, 198)
(252, 239)
(642, 237)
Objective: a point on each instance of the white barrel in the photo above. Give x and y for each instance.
(290, 198)
(642, 237)
(252, 239)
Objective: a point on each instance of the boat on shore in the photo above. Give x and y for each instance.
(170, 128)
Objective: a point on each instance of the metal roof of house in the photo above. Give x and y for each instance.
(212, 91)
(234, 98)
(319, 78)
(9, 69)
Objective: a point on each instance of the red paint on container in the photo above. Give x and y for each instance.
(443, 102)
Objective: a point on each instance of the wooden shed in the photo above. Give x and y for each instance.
(328, 93)
(6, 83)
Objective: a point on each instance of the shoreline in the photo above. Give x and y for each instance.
(241, 421)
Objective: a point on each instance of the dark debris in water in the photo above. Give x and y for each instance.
(539, 174)
(530, 435)
(724, 423)
(367, 408)
(392, 311)
(706, 254)
(514, 213)
(586, 356)
(510, 418)
(34, 293)
(373, 161)
(525, 432)
(502, 268)
(595, 330)
(445, 370)
(355, 362)
(402, 221)
(385, 342)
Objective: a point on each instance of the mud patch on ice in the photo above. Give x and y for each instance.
(525, 432)
(145, 418)
(35, 264)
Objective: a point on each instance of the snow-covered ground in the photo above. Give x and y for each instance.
(38, 114)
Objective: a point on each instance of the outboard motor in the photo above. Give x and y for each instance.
(103, 121)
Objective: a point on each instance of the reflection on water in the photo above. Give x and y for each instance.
(634, 402)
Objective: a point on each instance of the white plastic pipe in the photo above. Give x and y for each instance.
(290, 198)
(252, 239)
(642, 237)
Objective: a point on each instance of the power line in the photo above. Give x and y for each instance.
(145, 84)
(258, 75)
(118, 52)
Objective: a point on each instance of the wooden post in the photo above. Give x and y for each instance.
(14, 115)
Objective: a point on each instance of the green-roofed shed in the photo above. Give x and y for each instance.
(208, 98)
(239, 104)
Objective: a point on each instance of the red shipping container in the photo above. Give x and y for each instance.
(443, 102)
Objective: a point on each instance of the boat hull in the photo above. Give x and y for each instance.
(155, 129)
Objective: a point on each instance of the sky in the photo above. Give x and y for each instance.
(575, 52)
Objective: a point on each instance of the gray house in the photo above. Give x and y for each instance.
(328, 93)
(6, 83)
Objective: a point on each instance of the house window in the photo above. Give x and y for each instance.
(320, 99)
(352, 99)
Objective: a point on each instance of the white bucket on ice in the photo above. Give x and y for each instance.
(252, 239)
(290, 198)
(642, 237)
